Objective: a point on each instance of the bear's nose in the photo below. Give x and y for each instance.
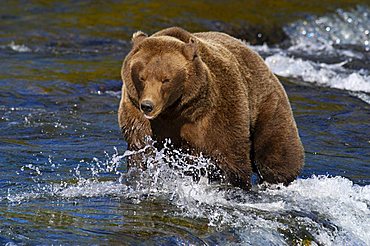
(146, 106)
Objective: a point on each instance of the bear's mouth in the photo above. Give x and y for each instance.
(151, 115)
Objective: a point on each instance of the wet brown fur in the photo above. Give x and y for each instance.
(212, 94)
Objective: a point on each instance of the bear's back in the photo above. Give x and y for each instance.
(256, 76)
(239, 49)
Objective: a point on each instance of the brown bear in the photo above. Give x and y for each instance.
(209, 92)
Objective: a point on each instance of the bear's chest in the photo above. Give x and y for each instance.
(181, 134)
(164, 129)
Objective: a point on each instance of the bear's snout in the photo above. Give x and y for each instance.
(147, 106)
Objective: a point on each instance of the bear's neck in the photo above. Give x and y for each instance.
(168, 126)
(199, 99)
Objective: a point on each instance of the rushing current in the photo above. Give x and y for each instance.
(63, 176)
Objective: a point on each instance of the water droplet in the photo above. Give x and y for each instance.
(311, 35)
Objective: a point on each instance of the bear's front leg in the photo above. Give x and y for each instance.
(136, 130)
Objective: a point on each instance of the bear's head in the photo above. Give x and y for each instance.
(156, 72)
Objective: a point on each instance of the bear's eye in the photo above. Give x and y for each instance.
(141, 78)
(165, 81)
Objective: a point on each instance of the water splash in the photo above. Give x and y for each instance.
(319, 210)
(341, 28)
(318, 43)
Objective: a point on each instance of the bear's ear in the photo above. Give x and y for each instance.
(191, 49)
(138, 37)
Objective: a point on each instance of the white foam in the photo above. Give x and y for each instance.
(334, 75)
(90, 188)
(19, 47)
(111, 93)
(363, 96)
(19, 197)
(346, 205)
(305, 46)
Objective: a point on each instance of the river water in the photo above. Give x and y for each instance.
(63, 177)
